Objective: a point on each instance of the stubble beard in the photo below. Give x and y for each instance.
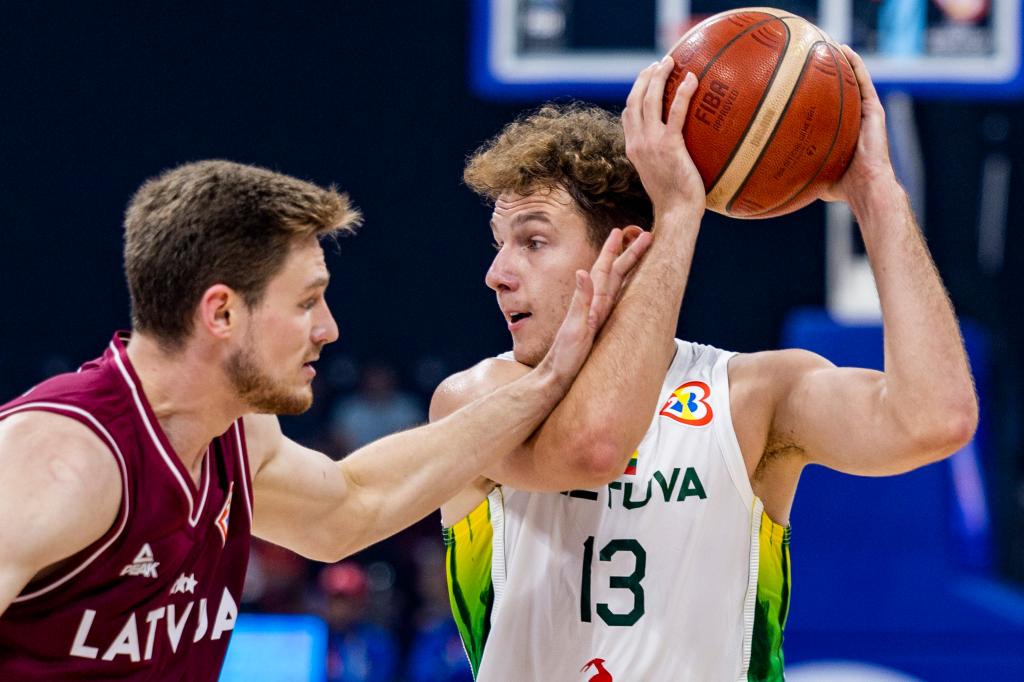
(259, 391)
(532, 355)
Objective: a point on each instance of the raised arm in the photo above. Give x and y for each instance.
(60, 491)
(923, 406)
(589, 437)
(326, 510)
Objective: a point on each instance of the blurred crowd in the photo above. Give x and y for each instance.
(386, 608)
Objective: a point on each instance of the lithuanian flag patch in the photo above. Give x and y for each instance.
(631, 467)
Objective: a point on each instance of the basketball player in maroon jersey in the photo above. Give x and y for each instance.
(130, 489)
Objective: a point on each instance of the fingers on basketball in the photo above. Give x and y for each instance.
(633, 112)
(655, 94)
(681, 102)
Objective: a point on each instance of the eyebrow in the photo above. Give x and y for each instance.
(320, 281)
(522, 218)
(531, 216)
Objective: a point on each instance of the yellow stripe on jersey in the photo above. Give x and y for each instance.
(470, 591)
(772, 606)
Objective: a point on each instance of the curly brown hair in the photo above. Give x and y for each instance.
(213, 222)
(577, 147)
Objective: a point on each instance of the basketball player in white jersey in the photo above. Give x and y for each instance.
(641, 534)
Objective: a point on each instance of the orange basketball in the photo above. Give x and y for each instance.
(776, 115)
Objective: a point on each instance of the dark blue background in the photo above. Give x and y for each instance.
(364, 95)
(374, 96)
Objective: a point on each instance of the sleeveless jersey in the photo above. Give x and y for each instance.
(671, 572)
(156, 597)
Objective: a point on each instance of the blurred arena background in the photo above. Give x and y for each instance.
(916, 577)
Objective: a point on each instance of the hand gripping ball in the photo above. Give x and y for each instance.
(776, 115)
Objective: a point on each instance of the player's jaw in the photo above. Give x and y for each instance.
(533, 325)
(272, 388)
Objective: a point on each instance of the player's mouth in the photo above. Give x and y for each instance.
(516, 320)
(308, 369)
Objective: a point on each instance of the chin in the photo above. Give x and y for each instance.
(528, 356)
(285, 403)
(301, 400)
(295, 408)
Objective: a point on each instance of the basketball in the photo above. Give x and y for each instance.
(776, 114)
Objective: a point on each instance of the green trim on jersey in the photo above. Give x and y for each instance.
(772, 607)
(470, 591)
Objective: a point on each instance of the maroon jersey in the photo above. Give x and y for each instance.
(156, 597)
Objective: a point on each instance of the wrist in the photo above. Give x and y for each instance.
(880, 196)
(679, 214)
(546, 384)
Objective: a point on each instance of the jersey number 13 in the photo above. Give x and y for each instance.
(629, 582)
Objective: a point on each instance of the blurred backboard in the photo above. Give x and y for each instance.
(531, 49)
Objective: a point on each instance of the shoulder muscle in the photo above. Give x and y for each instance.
(457, 391)
(464, 387)
(759, 384)
(60, 491)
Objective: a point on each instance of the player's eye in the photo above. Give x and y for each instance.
(496, 245)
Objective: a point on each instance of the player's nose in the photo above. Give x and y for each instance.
(326, 329)
(501, 275)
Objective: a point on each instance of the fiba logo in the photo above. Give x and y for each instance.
(601, 675)
(689, 404)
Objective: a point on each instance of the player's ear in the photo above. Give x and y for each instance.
(629, 233)
(218, 310)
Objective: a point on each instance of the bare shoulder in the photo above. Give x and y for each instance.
(771, 367)
(263, 439)
(49, 446)
(758, 383)
(453, 393)
(61, 489)
(466, 386)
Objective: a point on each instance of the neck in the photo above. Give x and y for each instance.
(188, 394)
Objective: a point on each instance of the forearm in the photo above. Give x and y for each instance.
(616, 391)
(610, 405)
(925, 362)
(400, 479)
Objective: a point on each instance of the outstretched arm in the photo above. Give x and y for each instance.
(923, 406)
(326, 510)
(589, 437)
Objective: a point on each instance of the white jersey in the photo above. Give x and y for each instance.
(671, 572)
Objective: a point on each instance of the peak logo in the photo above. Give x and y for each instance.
(601, 675)
(689, 405)
(143, 565)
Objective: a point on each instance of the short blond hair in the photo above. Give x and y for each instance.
(578, 147)
(213, 222)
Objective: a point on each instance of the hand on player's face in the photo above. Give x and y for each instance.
(542, 240)
(656, 147)
(592, 302)
(870, 161)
